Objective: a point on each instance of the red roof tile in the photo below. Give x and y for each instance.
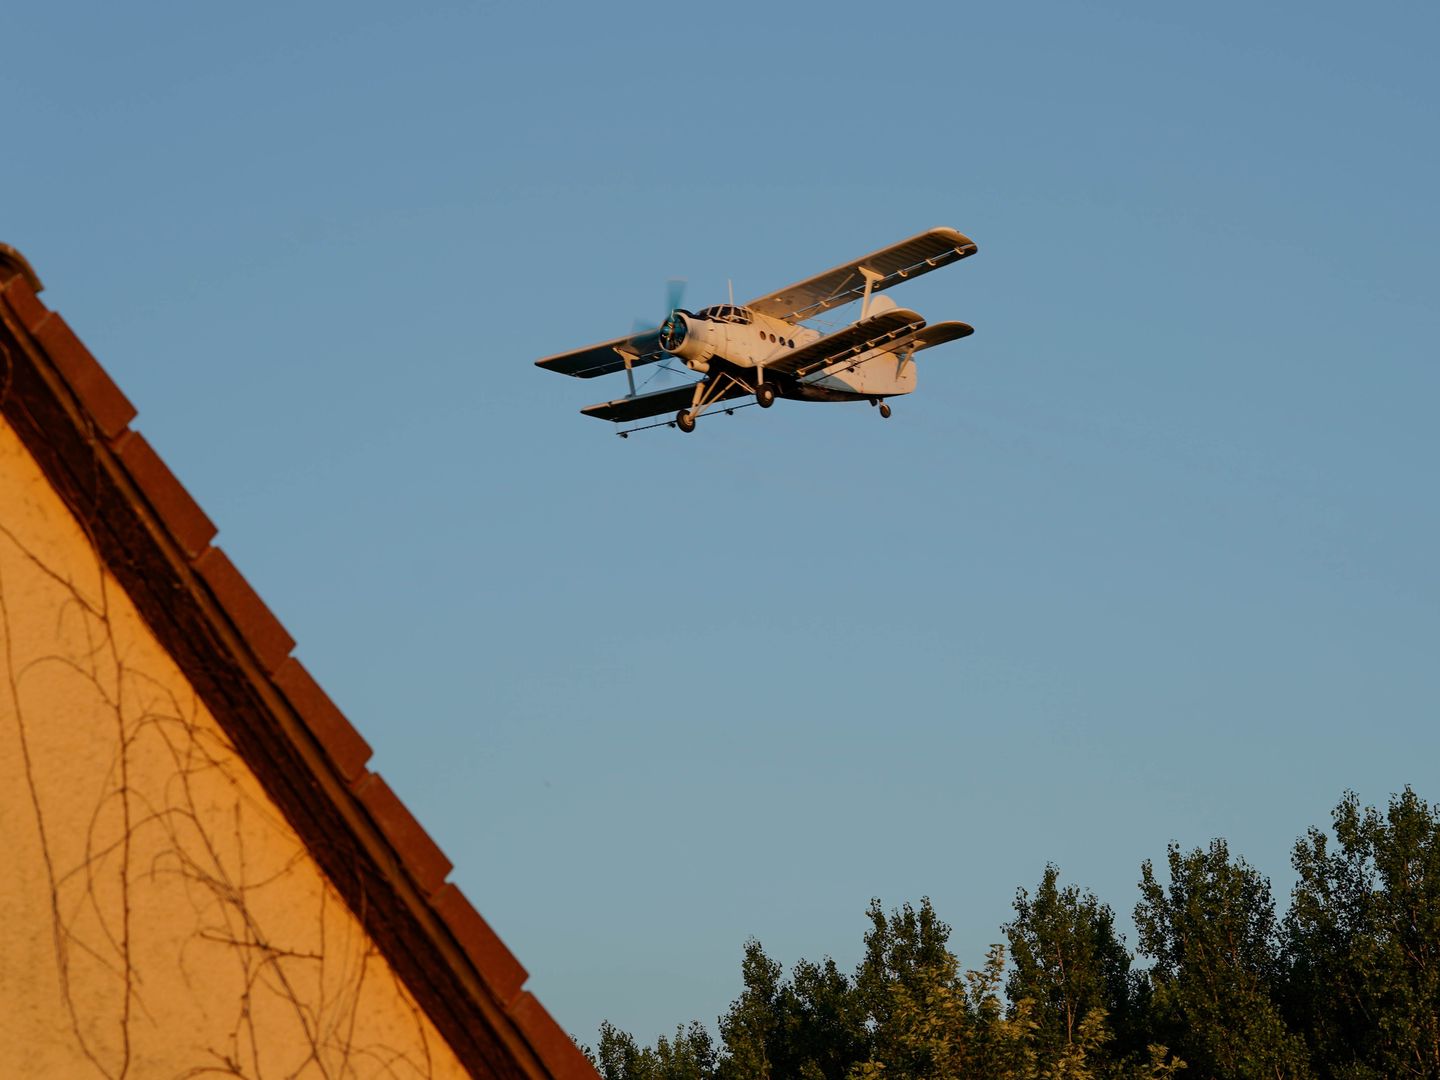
(262, 631)
(346, 747)
(107, 406)
(422, 856)
(497, 964)
(188, 524)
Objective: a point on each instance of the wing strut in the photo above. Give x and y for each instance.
(871, 277)
(628, 356)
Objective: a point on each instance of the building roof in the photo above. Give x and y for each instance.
(157, 541)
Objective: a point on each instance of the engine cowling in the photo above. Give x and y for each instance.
(673, 332)
(688, 337)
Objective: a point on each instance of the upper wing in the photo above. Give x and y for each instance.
(907, 259)
(606, 357)
(875, 332)
(654, 403)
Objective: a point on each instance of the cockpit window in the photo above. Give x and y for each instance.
(726, 313)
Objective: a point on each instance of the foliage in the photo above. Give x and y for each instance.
(1364, 940)
(1213, 938)
(689, 1056)
(1070, 964)
(809, 1027)
(1346, 986)
(941, 1026)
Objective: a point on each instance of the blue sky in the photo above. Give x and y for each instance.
(1148, 558)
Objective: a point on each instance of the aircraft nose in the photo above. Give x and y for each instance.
(674, 332)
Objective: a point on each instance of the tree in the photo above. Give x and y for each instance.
(1070, 963)
(750, 1029)
(810, 1027)
(1350, 991)
(689, 1056)
(907, 950)
(1213, 938)
(942, 1026)
(823, 1024)
(1364, 940)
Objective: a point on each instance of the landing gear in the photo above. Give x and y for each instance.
(716, 388)
(884, 411)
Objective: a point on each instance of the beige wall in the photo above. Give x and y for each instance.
(158, 917)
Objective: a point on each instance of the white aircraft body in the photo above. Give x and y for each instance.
(764, 349)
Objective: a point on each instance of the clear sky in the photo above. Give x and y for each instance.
(1151, 557)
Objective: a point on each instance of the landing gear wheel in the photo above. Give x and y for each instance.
(884, 411)
(684, 421)
(764, 396)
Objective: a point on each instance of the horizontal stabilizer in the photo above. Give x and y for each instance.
(940, 333)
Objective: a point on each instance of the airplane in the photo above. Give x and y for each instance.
(764, 350)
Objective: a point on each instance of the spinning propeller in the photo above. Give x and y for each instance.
(646, 337)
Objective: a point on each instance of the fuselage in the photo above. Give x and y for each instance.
(728, 334)
(733, 334)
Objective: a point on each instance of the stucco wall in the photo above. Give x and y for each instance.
(158, 917)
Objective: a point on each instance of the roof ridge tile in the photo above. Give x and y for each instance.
(28, 307)
(548, 1039)
(346, 747)
(108, 407)
(502, 972)
(422, 857)
(262, 630)
(189, 526)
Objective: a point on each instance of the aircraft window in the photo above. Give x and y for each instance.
(790, 344)
(724, 313)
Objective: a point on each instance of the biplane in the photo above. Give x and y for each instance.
(764, 349)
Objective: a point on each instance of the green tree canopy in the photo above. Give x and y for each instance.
(1347, 987)
(1212, 935)
(1364, 940)
(1069, 962)
(689, 1056)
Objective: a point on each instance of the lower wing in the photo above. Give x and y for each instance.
(639, 407)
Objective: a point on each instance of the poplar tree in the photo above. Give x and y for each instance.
(1069, 962)
(1213, 937)
(1364, 940)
